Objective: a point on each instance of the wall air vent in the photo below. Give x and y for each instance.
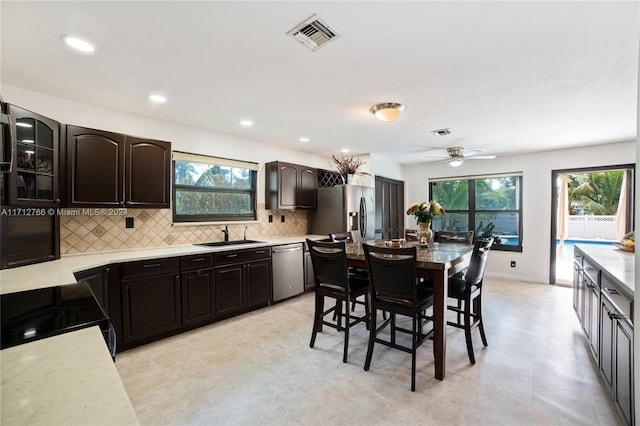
(313, 33)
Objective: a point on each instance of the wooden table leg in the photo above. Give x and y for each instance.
(440, 284)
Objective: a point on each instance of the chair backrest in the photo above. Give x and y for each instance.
(475, 272)
(392, 273)
(459, 237)
(411, 234)
(342, 236)
(329, 260)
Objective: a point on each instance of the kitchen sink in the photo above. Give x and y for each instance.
(228, 243)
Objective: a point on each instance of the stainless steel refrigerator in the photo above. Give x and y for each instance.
(345, 208)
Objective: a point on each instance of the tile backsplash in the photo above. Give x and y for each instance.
(85, 233)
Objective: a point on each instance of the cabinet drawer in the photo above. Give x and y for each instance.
(592, 271)
(149, 267)
(241, 256)
(622, 303)
(199, 261)
(578, 257)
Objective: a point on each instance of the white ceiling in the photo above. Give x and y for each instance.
(505, 77)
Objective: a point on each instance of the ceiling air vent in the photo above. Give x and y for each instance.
(313, 33)
(441, 132)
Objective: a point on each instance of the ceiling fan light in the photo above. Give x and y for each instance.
(387, 111)
(456, 162)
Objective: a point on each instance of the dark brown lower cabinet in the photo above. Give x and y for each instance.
(105, 284)
(151, 306)
(242, 280)
(197, 297)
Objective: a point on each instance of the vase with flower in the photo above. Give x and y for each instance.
(424, 212)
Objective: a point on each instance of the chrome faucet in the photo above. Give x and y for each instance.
(225, 231)
(245, 232)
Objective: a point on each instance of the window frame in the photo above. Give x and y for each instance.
(199, 218)
(472, 211)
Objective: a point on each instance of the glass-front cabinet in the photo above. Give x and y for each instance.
(34, 179)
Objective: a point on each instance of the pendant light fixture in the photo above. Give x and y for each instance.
(387, 111)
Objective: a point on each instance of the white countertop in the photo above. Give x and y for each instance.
(59, 272)
(68, 379)
(619, 264)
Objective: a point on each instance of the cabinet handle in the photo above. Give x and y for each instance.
(259, 252)
(121, 203)
(232, 255)
(57, 201)
(613, 316)
(151, 265)
(611, 290)
(200, 259)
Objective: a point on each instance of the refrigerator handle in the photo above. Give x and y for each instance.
(363, 217)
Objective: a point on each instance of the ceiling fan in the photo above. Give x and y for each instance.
(457, 155)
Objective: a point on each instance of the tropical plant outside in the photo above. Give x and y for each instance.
(595, 193)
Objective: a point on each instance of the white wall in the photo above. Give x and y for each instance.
(533, 262)
(183, 137)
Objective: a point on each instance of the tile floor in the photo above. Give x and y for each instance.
(259, 369)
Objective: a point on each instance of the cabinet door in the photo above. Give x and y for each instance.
(307, 188)
(607, 318)
(288, 186)
(28, 239)
(148, 173)
(577, 289)
(258, 281)
(594, 325)
(34, 180)
(98, 281)
(624, 368)
(197, 297)
(151, 306)
(229, 293)
(95, 167)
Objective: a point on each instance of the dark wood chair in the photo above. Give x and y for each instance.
(468, 292)
(459, 237)
(333, 280)
(411, 234)
(347, 237)
(392, 278)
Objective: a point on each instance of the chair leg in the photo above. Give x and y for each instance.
(414, 343)
(372, 337)
(467, 331)
(478, 303)
(347, 326)
(317, 319)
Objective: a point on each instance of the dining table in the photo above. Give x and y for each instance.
(437, 263)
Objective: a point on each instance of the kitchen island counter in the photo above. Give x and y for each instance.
(69, 379)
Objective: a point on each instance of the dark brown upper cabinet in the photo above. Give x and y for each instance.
(106, 169)
(34, 178)
(290, 186)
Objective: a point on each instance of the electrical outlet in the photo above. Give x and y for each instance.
(282, 218)
(270, 218)
(513, 263)
(128, 222)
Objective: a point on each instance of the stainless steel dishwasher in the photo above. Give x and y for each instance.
(288, 271)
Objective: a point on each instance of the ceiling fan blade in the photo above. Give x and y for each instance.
(480, 157)
(471, 153)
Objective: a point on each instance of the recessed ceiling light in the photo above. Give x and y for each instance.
(246, 123)
(344, 150)
(157, 98)
(79, 44)
(304, 140)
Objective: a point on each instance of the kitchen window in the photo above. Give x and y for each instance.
(489, 205)
(210, 189)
